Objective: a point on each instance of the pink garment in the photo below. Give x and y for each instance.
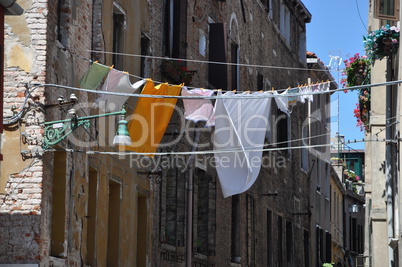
(197, 109)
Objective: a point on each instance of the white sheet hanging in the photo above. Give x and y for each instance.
(282, 101)
(240, 124)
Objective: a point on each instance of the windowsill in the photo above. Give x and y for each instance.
(200, 256)
(57, 261)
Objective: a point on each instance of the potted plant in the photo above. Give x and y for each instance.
(177, 72)
(351, 176)
(357, 71)
(381, 43)
(361, 112)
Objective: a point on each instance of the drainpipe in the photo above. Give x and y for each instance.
(190, 187)
(388, 163)
(11, 7)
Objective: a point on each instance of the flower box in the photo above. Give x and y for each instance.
(176, 72)
(382, 43)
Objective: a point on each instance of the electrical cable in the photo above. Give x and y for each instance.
(360, 16)
(142, 78)
(208, 62)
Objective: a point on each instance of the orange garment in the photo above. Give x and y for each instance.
(151, 117)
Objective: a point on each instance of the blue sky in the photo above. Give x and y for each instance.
(337, 29)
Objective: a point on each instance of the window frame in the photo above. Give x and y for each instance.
(284, 22)
(394, 17)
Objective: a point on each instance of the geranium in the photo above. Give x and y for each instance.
(177, 72)
(351, 175)
(361, 112)
(357, 71)
(381, 43)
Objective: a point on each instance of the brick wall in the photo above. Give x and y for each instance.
(21, 202)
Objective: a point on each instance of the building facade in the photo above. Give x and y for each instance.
(337, 214)
(63, 206)
(382, 242)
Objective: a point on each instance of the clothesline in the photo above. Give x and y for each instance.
(215, 97)
(182, 153)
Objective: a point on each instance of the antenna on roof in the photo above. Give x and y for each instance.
(335, 59)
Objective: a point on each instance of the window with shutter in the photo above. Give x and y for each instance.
(217, 73)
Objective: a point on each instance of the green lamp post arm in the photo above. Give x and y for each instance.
(57, 131)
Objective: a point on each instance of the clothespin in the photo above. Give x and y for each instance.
(125, 72)
(234, 91)
(273, 89)
(96, 62)
(260, 91)
(111, 67)
(248, 91)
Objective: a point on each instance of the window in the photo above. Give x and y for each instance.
(235, 231)
(306, 245)
(270, 11)
(260, 82)
(204, 199)
(113, 237)
(62, 17)
(145, 62)
(175, 28)
(318, 173)
(304, 149)
(250, 230)
(202, 43)
(91, 216)
(119, 22)
(289, 241)
(235, 68)
(280, 243)
(387, 9)
(302, 45)
(142, 226)
(282, 129)
(269, 238)
(327, 246)
(285, 22)
(217, 73)
(173, 208)
(58, 205)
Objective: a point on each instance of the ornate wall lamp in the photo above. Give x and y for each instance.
(57, 131)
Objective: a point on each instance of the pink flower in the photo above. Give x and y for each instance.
(394, 41)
